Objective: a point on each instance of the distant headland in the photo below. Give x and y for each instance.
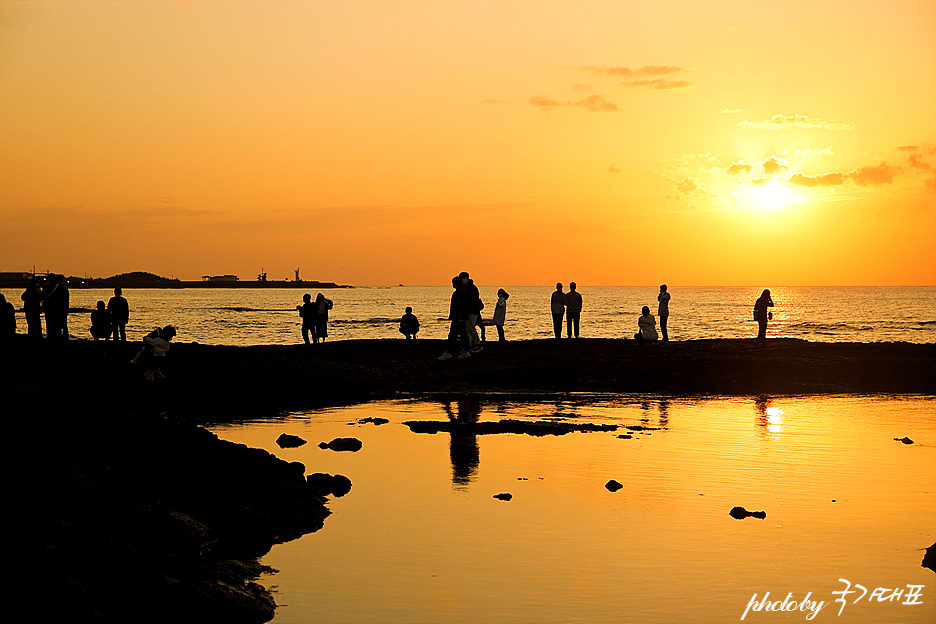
(141, 279)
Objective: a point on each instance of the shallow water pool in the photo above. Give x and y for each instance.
(421, 538)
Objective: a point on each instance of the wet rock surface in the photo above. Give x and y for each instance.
(343, 444)
(740, 513)
(286, 440)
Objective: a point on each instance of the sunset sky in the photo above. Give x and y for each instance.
(528, 142)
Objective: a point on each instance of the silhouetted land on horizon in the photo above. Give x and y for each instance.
(142, 279)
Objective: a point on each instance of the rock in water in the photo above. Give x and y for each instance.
(613, 486)
(324, 484)
(740, 513)
(503, 496)
(905, 440)
(289, 441)
(342, 444)
(929, 559)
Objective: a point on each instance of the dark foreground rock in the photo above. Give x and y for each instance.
(286, 440)
(115, 518)
(929, 559)
(343, 444)
(613, 486)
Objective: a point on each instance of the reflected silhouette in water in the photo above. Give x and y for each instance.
(463, 447)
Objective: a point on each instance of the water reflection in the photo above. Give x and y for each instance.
(769, 418)
(463, 447)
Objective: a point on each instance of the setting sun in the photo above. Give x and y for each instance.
(770, 196)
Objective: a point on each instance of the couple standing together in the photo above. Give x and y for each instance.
(571, 305)
(464, 313)
(314, 317)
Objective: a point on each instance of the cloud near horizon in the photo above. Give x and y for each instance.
(738, 167)
(782, 122)
(593, 103)
(773, 164)
(659, 84)
(862, 176)
(647, 70)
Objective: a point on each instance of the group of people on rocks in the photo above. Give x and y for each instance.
(314, 316)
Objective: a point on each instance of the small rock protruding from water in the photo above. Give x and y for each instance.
(740, 513)
(343, 444)
(376, 421)
(289, 441)
(905, 440)
(613, 486)
(323, 484)
(504, 496)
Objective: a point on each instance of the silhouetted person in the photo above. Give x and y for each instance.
(500, 313)
(557, 307)
(101, 325)
(458, 315)
(153, 354)
(321, 317)
(647, 327)
(120, 314)
(7, 319)
(409, 324)
(307, 311)
(32, 306)
(762, 315)
(663, 312)
(55, 303)
(474, 311)
(573, 311)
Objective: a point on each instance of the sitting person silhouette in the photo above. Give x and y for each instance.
(409, 324)
(101, 325)
(647, 327)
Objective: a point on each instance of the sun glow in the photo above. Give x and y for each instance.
(770, 196)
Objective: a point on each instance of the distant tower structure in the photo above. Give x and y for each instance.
(262, 276)
(297, 274)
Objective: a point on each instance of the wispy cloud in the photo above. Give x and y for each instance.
(659, 84)
(592, 103)
(613, 169)
(627, 72)
(492, 101)
(815, 154)
(825, 179)
(729, 111)
(862, 176)
(782, 122)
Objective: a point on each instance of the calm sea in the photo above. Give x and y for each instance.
(268, 316)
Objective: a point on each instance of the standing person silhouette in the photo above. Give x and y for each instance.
(663, 312)
(120, 314)
(474, 311)
(573, 310)
(762, 315)
(458, 315)
(321, 318)
(32, 306)
(55, 304)
(500, 313)
(8, 322)
(307, 311)
(557, 307)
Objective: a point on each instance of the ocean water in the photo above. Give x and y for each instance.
(421, 538)
(269, 316)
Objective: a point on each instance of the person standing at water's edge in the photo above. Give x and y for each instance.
(573, 311)
(8, 316)
(32, 306)
(120, 314)
(500, 313)
(663, 312)
(474, 311)
(557, 307)
(101, 322)
(458, 315)
(647, 327)
(55, 304)
(307, 312)
(321, 318)
(762, 315)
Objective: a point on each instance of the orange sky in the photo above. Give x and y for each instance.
(385, 142)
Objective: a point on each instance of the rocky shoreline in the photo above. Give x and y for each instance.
(123, 509)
